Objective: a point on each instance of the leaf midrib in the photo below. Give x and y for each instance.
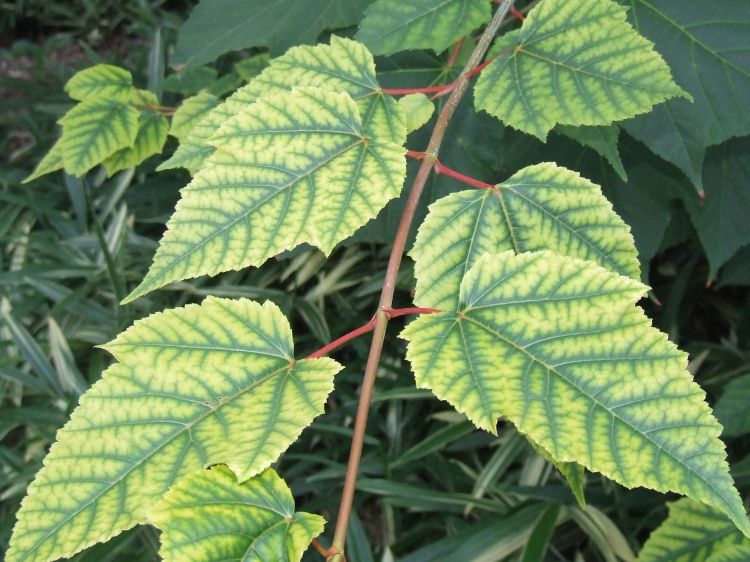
(690, 36)
(590, 74)
(556, 220)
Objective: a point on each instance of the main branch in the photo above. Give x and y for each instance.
(391, 274)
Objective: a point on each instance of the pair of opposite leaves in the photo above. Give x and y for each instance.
(589, 378)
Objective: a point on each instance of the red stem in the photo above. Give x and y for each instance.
(425, 90)
(442, 89)
(454, 54)
(440, 168)
(396, 312)
(369, 327)
(326, 349)
(516, 13)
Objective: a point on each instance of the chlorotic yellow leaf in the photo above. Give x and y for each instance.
(573, 62)
(418, 109)
(194, 386)
(95, 129)
(692, 532)
(51, 162)
(209, 517)
(296, 167)
(557, 346)
(342, 66)
(734, 553)
(542, 207)
(102, 82)
(190, 112)
(152, 134)
(390, 26)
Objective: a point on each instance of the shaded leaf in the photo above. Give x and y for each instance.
(542, 207)
(692, 531)
(390, 26)
(216, 27)
(574, 63)
(296, 167)
(708, 56)
(556, 345)
(248, 68)
(574, 473)
(102, 81)
(603, 140)
(210, 517)
(721, 218)
(195, 386)
(733, 408)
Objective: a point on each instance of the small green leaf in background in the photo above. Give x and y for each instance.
(390, 26)
(418, 109)
(574, 473)
(210, 517)
(152, 134)
(733, 408)
(692, 532)
(216, 27)
(542, 207)
(103, 81)
(190, 111)
(249, 67)
(194, 386)
(296, 167)
(603, 140)
(573, 62)
(708, 55)
(94, 130)
(721, 218)
(557, 346)
(51, 162)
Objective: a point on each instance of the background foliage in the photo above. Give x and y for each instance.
(433, 487)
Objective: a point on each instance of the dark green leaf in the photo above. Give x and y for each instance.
(721, 220)
(216, 27)
(706, 46)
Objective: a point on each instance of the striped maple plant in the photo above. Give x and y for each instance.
(526, 290)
